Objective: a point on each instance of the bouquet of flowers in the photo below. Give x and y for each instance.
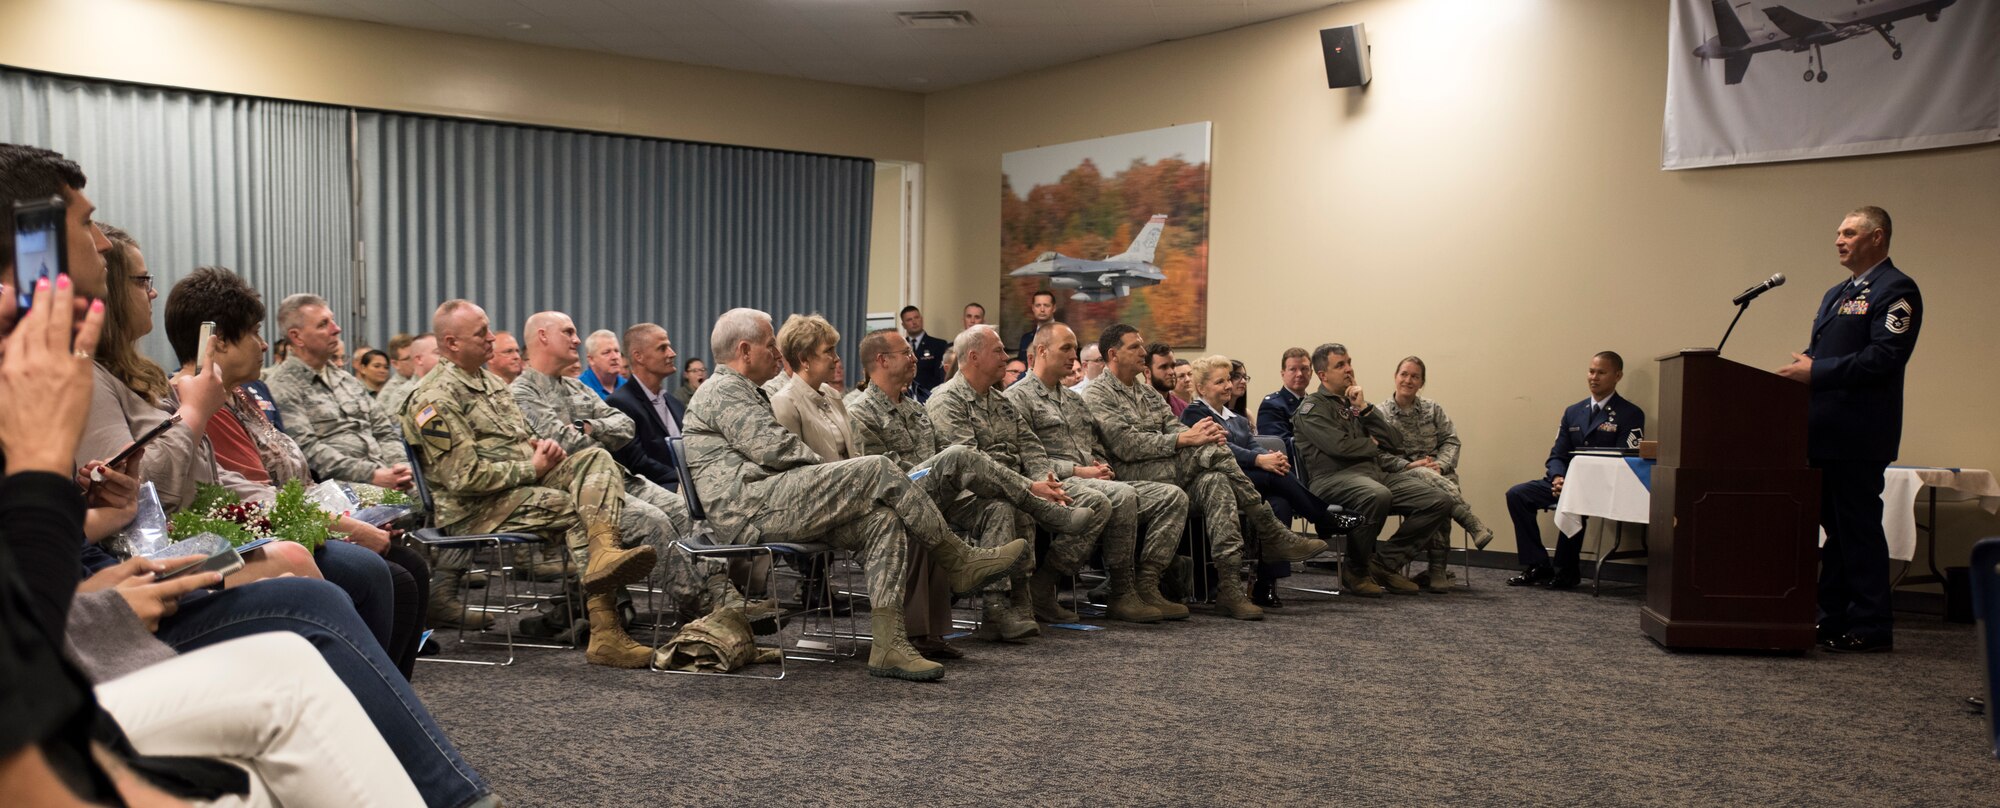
(289, 517)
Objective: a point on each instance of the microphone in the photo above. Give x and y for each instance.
(1776, 280)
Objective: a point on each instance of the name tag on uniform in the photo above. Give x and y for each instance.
(1856, 306)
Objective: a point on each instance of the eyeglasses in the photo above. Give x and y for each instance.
(144, 281)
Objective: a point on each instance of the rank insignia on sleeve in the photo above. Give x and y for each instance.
(1900, 317)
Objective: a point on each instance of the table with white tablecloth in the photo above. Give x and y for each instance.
(1620, 488)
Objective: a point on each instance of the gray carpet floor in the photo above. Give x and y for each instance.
(1489, 696)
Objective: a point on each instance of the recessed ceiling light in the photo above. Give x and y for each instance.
(519, 26)
(936, 19)
(919, 80)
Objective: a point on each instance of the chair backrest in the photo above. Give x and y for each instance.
(687, 478)
(1269, 443)
(417, 476)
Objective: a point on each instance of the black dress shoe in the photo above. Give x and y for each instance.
(1851, 644)
(1344, 523)
(1533, 576)
(1265, 594)
(1823, 633)
(1566, 579)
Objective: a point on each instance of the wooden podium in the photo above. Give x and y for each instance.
(1734, 531)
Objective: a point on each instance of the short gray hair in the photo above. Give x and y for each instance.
(598, 338)
(968, 340)
(288, 310)
(734, 326)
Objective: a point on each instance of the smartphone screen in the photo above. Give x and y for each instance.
(225, 562)
(38, 246)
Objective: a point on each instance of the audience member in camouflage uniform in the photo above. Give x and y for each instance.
(1340, 436)
(896, 426)
(395, 396)
(1145, 441)
(562, 409)
(328, 413)
(489, 473)
(971, 409)
(758, 483)
(1430, 451)
(1068, 435)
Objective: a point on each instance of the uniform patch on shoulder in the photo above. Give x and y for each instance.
(1304, 407)
(435, 431)
(1900, 317)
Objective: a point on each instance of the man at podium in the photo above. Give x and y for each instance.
(1605, 420)
(1862, 337)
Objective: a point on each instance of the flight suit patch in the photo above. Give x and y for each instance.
(435, 432)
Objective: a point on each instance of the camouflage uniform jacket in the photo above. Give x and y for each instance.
(553, 405)
(1426, 431)
(396, 402)
(1061, 421)
(901, 431)
(344, 435)
(988, 423)
(1333, 440)
(476, 448)
(734, 443)
(1140, 433)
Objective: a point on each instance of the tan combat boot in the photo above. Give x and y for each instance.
(999, 621)
(1147, 587)
(1229, 598)
(1124, 602)
(973, 567)
(612, 566)
(1481, 534)
(1057, 518)
(1042, 595)
(1284, 545)
(609, 645)
(446, 610)
(890, 653)
(1437, 580)
(1392, 581)
(1359, 586)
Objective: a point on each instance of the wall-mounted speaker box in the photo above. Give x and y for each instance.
(1346, 49)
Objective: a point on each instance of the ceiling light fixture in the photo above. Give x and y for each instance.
(519, 26)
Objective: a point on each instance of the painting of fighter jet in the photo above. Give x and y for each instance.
(1783, 29)
(1098, 281)
(1115, 228)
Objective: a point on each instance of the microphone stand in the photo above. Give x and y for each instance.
(1740, 308)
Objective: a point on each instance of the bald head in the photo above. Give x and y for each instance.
(549, 338)
(1053, 353)
(464, 334)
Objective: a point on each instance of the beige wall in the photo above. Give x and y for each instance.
(224, 48)
(1493, 203)
(885, 256)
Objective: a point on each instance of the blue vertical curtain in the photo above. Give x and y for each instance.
(611, 230)
(258, 186)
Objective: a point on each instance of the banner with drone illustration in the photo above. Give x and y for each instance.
(1754, 81)
(1116, 227)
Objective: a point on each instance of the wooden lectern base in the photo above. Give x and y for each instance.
(1739, 567)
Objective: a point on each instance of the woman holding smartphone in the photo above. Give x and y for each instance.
(133, 395)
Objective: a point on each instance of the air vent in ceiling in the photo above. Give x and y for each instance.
(936, 19)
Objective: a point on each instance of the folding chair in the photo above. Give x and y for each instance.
(700, 543)
(502, 545)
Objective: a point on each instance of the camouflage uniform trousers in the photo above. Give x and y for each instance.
(1160, 508)
(1437, 548)
(991, 514)
(658, 517)
(865, 506)
(1217, 488)
(585, 489)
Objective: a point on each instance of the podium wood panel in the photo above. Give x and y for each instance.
(1735, 510)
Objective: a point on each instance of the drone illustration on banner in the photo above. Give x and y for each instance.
(1113, 277)
(1792, 32)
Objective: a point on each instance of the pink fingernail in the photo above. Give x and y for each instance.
(41, 284)
(62, 281)
(97, 305)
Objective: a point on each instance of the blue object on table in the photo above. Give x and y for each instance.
(1643, 468)
(1986, 610)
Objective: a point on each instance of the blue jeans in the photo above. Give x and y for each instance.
(324, 615)
(364, 576)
